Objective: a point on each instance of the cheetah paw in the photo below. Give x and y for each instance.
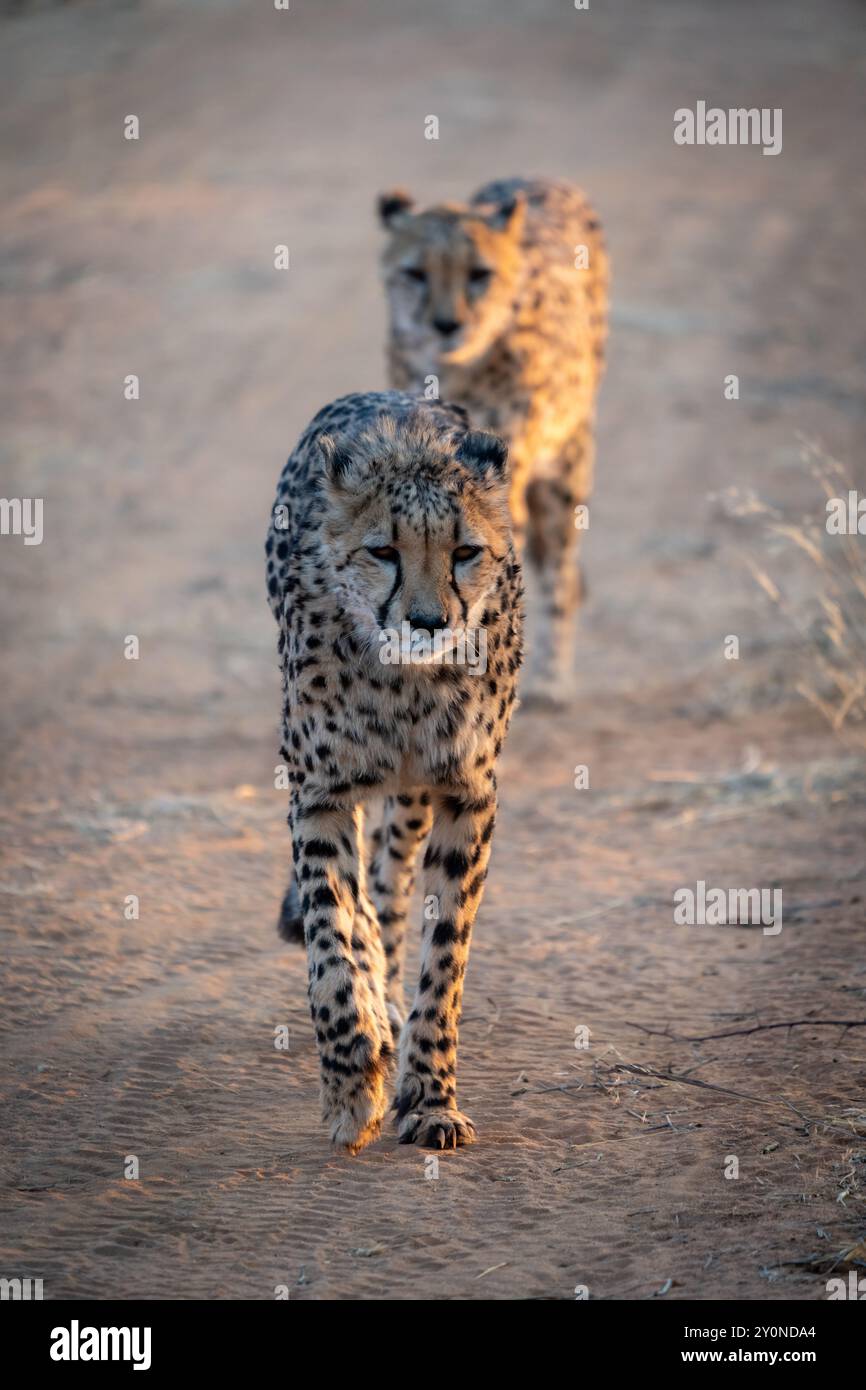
(354, 1108)
(436, 1129)
(357, 1123)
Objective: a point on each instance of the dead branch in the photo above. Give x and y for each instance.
(672, 1078)
(759, 1028)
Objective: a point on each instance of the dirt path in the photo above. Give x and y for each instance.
(154, 777)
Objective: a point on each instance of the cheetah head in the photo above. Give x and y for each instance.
(451, 275)
(415, 532)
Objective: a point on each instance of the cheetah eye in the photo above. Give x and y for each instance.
(479, 275)
(465, 552)
(384, 552)
(414, 272)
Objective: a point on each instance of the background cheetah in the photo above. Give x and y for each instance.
(497, 300)
(389, 511)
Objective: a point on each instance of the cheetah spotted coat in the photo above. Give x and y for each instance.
(424, 738)
(535, 383)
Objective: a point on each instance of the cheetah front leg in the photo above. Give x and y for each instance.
(406, 821)
(455, 868)
(346, 967)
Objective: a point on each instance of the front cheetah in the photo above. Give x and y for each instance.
(391, 511)
(500, 304)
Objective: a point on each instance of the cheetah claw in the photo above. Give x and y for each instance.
(437, 1129)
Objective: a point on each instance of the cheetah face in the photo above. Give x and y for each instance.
(416, 532)
(451, 276)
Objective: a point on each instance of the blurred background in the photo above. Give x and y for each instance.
(154, 778)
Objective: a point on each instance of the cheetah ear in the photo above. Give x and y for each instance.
(510, 216)
(486, 453)
(392, 205)
(340, 467)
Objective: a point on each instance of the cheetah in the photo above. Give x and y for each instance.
(500, 304)
(391, 516)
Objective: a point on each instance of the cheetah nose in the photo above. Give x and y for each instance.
(427, 622)
(447, 326)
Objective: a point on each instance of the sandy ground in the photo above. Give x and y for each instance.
(602, 1167)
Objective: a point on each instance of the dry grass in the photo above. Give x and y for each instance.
(828, 613)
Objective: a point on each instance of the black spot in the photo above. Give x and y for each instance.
(455, 864)
(444, 933)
